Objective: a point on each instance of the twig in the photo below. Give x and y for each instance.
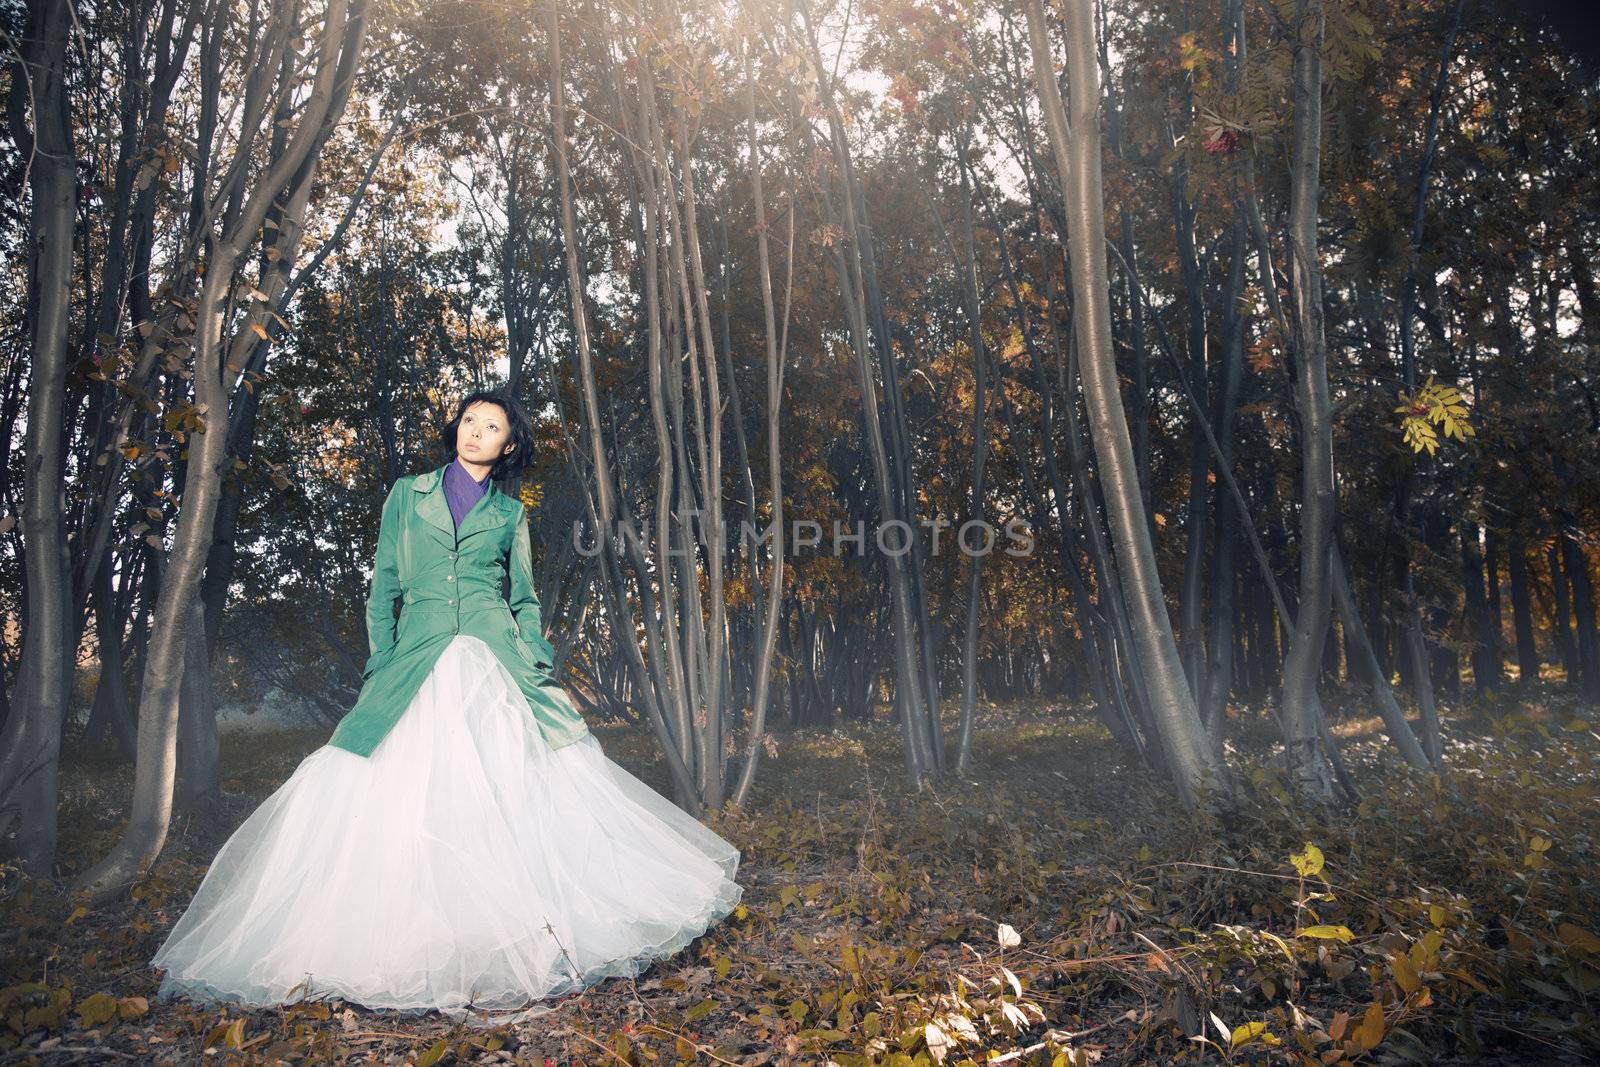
(607, 1049)
(1268, 874)
(698, 1047)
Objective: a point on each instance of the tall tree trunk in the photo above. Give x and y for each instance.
(1363, 659)
(600, 499)
(111, 712)
(1192, 598)
(1219, 670)
(1300, 714)
(1111, 699)
(1585, 639)
(888, 439)
(1485, 651)
(1075, 143)
(1412, 637)
(777, 348)
(30, 745)
(199, 771)
(1561, 615)
(338, 51)
(980, 457)
(1521, 610)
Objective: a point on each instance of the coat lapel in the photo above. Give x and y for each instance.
(432, 508)
(493, 509)
(490, 512)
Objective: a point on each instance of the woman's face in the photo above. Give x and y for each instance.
(483, 434)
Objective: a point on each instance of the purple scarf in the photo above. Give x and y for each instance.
(461, 490)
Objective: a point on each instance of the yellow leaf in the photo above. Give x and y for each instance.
(1328, 933)
(1243, 1035)
(1370, 1033)
(1309, 862)
(434, 1054)
(97, 1009)
(1405, 975)
(1579, 938)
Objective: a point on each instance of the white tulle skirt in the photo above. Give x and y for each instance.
(464, 865)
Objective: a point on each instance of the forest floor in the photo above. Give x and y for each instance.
(1054, 907)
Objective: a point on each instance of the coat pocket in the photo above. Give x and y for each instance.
(375, 663)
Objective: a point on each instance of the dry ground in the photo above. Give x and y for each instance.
(1054, 906)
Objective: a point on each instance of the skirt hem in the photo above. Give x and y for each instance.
(199, 991)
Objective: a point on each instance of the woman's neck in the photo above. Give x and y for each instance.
(478, 471)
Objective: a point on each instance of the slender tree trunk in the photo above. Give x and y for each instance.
(1111, 701)
(337, 53)
(199, 770)
(1313, 614)
(1585, 639)
(1192, 596)
(111, 712)
(30, 745)
(777, 348)
(888, 440)
(1485, 655)
(1521, 611)
(1412, 637)
(1363, 659)
(980, 457)
(1219, 672)
(1076, 146)
(599, 498)
(1561, 616)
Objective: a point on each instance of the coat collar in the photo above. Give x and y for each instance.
(493, 509)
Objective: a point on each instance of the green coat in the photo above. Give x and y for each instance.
(449, 582)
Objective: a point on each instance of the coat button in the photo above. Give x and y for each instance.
(450, 578)
(449, 601)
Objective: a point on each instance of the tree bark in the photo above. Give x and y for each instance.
(1485, 656)
(1197, 770)
(1312, 616)
(777, 348)
(1585, 639)
(338, 50)
(1521, 610)
(30, 746)
(1561, 615)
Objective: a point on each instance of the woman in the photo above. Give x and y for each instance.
(461, 842)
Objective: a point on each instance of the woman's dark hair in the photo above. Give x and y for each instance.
(508, 467)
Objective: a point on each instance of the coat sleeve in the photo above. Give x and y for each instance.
(524, 602)
(385, 579)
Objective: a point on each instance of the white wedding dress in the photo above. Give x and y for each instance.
(463, 866)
